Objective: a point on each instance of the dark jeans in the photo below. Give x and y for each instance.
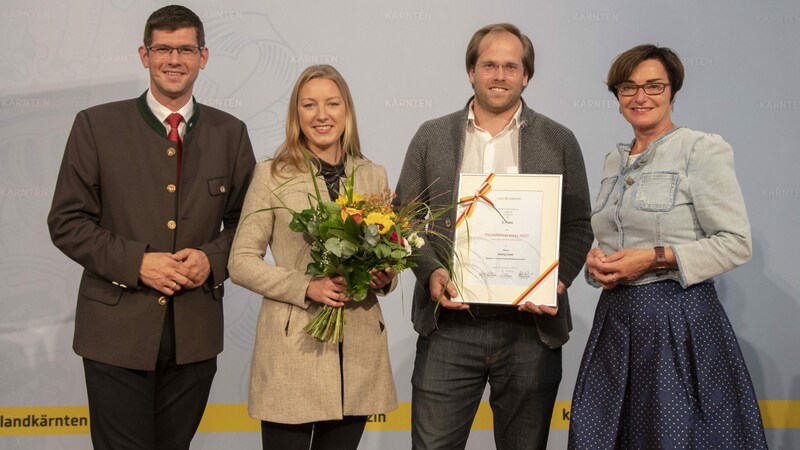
(146, 410)
(342, 434)
(452, 368)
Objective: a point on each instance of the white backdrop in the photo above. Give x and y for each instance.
(404, 62)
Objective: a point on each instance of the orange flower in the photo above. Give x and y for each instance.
(352, 212)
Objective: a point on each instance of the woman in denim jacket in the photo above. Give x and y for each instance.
(662, 368)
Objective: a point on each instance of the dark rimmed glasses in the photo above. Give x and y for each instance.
(166, 50)
(630, 89)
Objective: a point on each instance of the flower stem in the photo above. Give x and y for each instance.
(327, 325)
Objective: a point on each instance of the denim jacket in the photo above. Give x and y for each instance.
(682, 193)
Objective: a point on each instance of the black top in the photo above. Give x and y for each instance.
(332, 174)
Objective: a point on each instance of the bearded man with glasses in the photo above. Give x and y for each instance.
(461, 347)
(147, 201)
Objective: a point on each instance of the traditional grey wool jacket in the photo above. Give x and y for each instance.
(430, 175)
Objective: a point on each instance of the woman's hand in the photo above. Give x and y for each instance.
(628, 264)
(381, 278)
(328, 291)
(597, 270)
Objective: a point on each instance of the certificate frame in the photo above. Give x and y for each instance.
(506, 241)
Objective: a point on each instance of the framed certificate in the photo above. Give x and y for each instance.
(506, 238)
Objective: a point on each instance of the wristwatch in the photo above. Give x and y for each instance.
(661, 258)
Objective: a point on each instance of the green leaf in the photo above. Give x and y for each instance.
(371, 235)
(333, 223)
(398, 254)
(297, 224)
(383, 250)
(340, 248)
(333, 209)
(342, 234)
(311, 228)
(314, 269)
(358, 284)
(352, 228)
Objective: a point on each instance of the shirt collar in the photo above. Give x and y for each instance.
(513, 123)
(161, 112)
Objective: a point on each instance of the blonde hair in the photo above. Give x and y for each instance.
(293, 152)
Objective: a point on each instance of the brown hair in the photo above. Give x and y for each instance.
(171, 18)
(293, 152)
(473, 48)
(624, 65)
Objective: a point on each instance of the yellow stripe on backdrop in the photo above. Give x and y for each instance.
(233, 418)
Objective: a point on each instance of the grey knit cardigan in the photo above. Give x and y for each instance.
(430, 175)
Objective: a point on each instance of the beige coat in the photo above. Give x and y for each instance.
(293, 377)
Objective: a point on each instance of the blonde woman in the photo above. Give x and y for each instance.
(307, 393)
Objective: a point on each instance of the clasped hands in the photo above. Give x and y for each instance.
(332, 291)
(625, 265)
(169, 273)
(443, 291)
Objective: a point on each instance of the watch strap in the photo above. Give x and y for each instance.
(661, 258)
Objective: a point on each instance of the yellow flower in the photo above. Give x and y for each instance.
(343, 201)
(382, 221)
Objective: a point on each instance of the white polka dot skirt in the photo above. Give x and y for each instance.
(662, 370)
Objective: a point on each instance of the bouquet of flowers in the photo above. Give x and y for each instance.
(350, 237)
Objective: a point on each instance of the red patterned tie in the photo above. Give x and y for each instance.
(174, 120)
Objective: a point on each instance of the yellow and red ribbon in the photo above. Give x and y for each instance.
(471, 200)
(536, 283)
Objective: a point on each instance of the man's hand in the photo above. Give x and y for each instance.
(163, 272)
(443, 290)
(194, 266)
(541, 309)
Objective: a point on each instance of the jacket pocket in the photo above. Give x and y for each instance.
(606, 187)
(218, 186)
(288, 319)
(95, 288)
(656, 191)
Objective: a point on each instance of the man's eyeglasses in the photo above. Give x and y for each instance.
(165, 50)
(630, 89)
(490, 68)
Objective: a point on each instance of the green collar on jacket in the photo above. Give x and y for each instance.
(157, 126)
